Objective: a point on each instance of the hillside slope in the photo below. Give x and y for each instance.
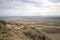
(10, 31)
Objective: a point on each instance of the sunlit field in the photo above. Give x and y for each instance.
(29, 29)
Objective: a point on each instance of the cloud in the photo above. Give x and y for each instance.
(28, 1)
(28, 7)
(55, 1)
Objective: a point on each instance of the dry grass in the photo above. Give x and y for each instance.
(29, 29)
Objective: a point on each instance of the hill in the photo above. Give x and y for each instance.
(15, 32)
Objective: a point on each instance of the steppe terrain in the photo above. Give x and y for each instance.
(29, 29)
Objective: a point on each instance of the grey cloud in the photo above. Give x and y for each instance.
(24, 1)
(35, 3)
(11, 4)
(7, 0)
(7, 7)
(28, 1)
(55, 1)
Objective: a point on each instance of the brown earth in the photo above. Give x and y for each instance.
(29, 29)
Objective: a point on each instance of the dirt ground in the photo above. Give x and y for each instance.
(29, 29)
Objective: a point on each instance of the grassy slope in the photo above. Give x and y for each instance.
(29, 29)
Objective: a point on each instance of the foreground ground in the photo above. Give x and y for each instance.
(29, 29)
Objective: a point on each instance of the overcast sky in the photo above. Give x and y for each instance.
(29, 7)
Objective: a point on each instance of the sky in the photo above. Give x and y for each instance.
(29, 7)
